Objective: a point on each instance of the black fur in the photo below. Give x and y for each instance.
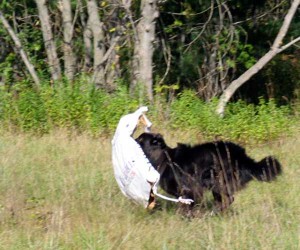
(189, 171)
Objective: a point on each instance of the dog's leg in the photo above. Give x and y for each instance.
(217, 200)
(222, 200)
(226, 201)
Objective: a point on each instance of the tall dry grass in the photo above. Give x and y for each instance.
(58, 192)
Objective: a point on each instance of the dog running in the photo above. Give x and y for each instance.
(221, 167)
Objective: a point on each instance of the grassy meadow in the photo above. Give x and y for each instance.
(58, 192)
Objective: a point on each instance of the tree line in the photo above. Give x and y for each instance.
(151, 46)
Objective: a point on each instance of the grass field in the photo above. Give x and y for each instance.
(58, 192)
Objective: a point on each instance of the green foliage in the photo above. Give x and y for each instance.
(6, 68)
(243, 122)
(106, 109)
(23, 108)
(66, 106)
(240, 54)
(78, 106)
(245, 57)
(84, 108)
(31, 111)
(7, 113)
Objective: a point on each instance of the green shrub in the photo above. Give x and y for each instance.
(31, 111)
(22, 108)
(106, 109)
(79, 106)
(84, 108)
(243, 122)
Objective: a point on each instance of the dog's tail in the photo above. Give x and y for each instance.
(267, 169)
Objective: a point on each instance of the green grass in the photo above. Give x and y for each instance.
(58, 192)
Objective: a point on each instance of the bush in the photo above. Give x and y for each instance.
(79, 106)
(243, 122)
(84, 108)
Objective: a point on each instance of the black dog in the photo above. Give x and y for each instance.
(222, 167)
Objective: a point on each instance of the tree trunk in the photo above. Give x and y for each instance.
(112, 65)
(143, 50)
(275, 49)
(48, 40)
(99, 46)
(88, 47)
(20, 49)
(69, 58)
(87, 38)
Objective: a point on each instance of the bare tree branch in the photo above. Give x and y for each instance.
(290, 44)
(204, 26)
(275, 49)
(168, 58)
(108, 52)
(20, 49)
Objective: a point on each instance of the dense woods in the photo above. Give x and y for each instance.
(234, 49)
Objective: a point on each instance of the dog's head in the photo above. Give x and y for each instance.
(153, 146)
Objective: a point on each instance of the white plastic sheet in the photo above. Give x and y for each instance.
(134, 173)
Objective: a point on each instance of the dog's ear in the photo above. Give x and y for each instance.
(159, 136)
(158, 140)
